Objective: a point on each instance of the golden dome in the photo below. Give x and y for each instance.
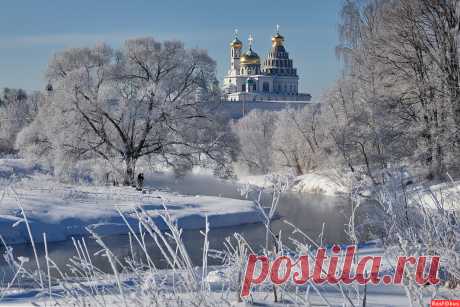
(277, 40)
(236, 43)
(250, 58)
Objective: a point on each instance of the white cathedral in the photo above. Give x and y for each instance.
(274, 80)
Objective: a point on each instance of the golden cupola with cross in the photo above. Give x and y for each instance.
(250, 58)
(250, 61)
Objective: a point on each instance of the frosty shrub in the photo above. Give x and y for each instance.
(255, 133)
(296, 140)
(283, 141)
(17, 110)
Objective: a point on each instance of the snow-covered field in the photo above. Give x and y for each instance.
(62, 211)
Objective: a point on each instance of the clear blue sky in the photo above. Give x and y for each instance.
(31, 31)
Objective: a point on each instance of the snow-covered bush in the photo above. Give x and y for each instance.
(94, 171)
(283, 141)
(255, 134)
(296, 140)
(17, 110)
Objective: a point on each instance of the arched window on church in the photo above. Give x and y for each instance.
(243, 88)
(266, 87)
(254, 87)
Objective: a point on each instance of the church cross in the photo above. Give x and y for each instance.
(277, 28)
(236, 32)
(250, 40)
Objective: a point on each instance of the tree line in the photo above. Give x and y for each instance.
(397, 101)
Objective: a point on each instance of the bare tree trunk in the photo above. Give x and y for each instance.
(366, 161)
(130, 169)
(297, 165)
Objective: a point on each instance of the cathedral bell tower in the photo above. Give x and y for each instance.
(235, 53)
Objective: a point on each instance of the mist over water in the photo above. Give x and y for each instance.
(309, 212)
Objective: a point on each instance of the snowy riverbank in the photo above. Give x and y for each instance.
(328, 183)
(62, 210)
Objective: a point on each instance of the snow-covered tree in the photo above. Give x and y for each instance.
(124, 104)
